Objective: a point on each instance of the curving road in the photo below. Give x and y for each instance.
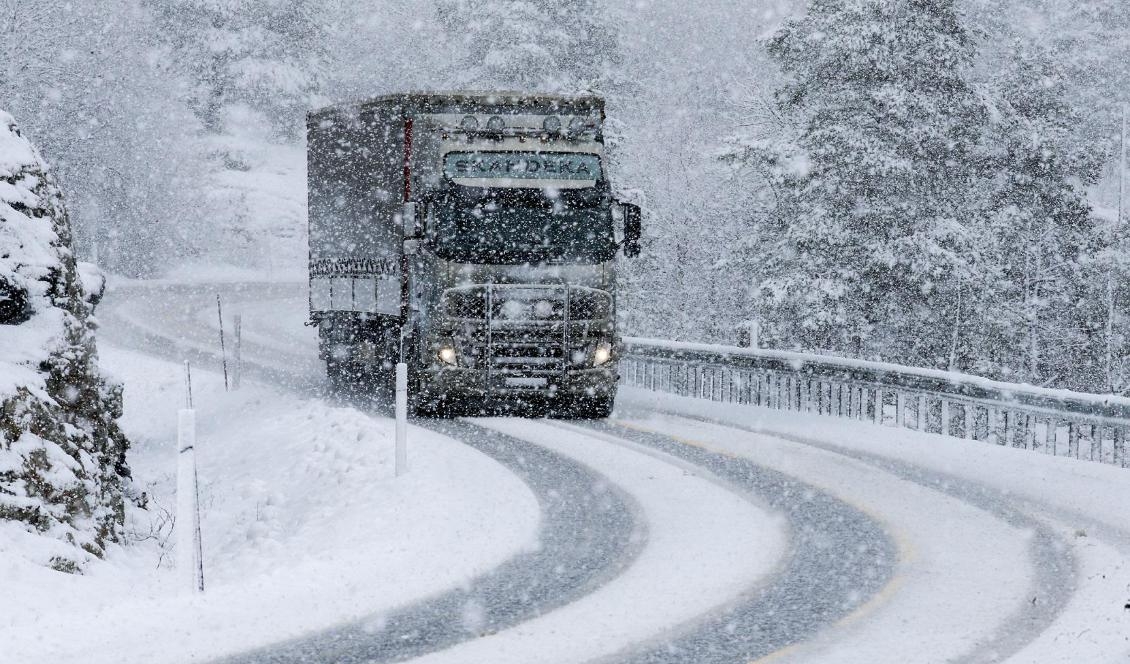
(589, 533)
(670, 536)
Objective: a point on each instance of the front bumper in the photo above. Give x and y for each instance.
(452, 382)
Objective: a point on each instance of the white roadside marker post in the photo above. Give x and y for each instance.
(190, 563)
(401, 418)
(237, 368)
(223, 349)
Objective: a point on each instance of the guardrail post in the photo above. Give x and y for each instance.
(971, 421)
(1119, 443)
(945, 417)
(1096, 443)
(879, 398)
(900, 405)
(1072, 439)
(921, 424)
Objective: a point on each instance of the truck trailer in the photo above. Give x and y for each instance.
(473, 236)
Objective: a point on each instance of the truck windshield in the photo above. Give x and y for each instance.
(515, 226)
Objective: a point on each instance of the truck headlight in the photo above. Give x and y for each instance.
(602, 354)
(447, 356)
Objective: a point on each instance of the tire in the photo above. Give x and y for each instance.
(338, 375)
(349, 377)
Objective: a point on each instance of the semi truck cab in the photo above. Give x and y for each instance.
(475, 237)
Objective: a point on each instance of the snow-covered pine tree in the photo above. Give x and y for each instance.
(872, 235)
(1038, 311)
(262, 54)
(531, 45)
(62, 457)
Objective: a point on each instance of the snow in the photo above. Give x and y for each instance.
(22, 349)
(303, 527)
(212, 272)
(1077, 500)
(706, 545)
(15, 152)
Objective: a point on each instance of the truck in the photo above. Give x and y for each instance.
(473, 237)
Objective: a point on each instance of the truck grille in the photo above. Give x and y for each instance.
(527, 336)
(527, 303)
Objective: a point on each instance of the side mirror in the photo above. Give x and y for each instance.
(633, 229)
(408, 219)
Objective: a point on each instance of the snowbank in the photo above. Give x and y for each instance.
(303, 527)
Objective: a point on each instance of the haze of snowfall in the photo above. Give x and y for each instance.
(943, 194)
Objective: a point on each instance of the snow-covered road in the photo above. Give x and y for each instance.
(682, 531)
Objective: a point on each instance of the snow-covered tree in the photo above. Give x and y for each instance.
(532, 45)
(253, 68)
(1036, 314)
(871, 239)
(265, 55)
(62, 457)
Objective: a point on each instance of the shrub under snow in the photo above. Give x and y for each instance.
(62, 456)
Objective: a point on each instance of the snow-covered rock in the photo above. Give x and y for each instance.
(62, 456)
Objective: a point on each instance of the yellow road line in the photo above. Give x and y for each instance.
(906, 552)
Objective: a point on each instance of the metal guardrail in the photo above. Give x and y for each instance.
(1056, 422)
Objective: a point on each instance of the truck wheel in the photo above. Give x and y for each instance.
(341, 375)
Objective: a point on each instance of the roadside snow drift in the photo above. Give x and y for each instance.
(304, 527)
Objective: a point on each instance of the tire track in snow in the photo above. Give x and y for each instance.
(140, 316)
(589, 534)
(839, 559)
(1053, 565)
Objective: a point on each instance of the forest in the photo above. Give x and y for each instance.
(928, 182)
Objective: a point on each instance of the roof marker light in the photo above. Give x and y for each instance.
(578, 126)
